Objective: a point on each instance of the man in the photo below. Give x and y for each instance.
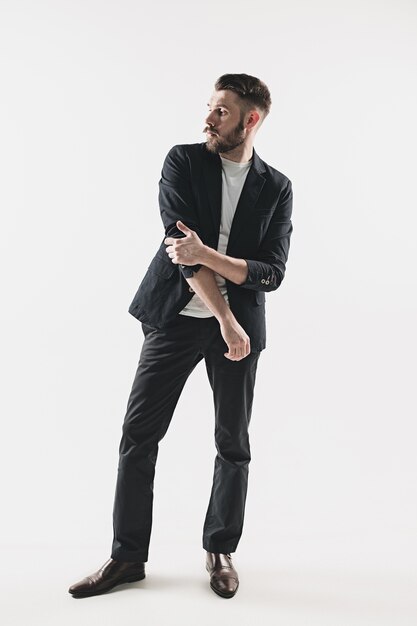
(226, 215)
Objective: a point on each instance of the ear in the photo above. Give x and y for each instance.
(253, 119)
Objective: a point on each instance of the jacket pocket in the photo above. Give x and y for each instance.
(162, 268)
(260, 297)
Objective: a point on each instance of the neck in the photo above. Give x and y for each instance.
(241, 154)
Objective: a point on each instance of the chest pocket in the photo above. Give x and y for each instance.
(263, 213)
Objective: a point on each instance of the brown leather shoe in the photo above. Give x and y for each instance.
(223, 576)
(112, 573)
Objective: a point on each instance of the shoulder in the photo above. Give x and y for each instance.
(276, 176)
(184, 150)
(183, 156)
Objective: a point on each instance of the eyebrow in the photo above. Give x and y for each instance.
(219, 104)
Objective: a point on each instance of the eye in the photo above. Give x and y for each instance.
(220, 111)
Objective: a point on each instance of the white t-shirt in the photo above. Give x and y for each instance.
(233, 178)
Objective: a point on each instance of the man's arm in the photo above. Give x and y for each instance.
(263, 273)
(235, 270)
(204, 284)
(188, 248)
(176, 201)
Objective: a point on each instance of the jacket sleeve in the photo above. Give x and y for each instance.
(175, 199)
(267, 270)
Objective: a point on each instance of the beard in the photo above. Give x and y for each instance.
(232, 140)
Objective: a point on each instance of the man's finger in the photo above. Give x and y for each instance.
(233, 355)
(183, 228)
(236, 356)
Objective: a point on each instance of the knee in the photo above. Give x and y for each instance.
(234, 451)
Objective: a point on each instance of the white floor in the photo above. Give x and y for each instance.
(176, 592)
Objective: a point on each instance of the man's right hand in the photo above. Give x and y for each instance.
(237, 340)
(205, 286)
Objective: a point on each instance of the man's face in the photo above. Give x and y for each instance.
(225, 126)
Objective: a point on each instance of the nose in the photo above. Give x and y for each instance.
(209, 119)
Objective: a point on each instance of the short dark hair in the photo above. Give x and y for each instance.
(251, 91)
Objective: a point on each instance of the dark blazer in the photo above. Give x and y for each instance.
(190, 190)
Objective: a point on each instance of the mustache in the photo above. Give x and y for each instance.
(209, 129)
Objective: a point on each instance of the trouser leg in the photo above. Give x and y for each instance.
(233, 389)
(167, 359)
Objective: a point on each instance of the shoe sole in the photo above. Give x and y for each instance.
(85, 594)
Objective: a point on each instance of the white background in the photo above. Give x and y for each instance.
(94, 94)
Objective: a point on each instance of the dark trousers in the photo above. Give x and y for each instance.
(167, 358)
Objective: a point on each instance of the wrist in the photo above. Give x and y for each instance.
(206, 255)
(226, 316)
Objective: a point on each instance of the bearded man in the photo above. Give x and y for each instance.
(227, 220)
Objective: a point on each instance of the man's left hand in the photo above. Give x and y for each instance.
(186, 250)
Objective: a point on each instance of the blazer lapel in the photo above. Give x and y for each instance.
(252, 187)
(212, 172)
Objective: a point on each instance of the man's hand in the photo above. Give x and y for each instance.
(186, 250)
(237, 340)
